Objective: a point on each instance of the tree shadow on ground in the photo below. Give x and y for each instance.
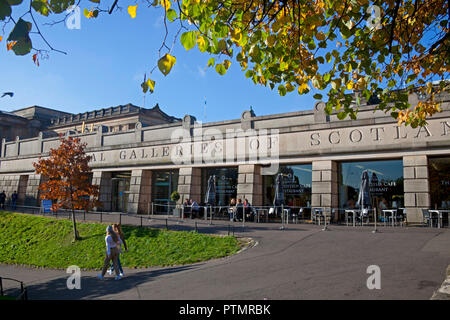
(94, 288)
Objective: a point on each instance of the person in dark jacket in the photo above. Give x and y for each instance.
(14, 197)
(2, 199)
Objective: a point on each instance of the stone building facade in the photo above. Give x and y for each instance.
(321, 159)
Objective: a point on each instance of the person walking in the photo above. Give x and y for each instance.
(2, 199)
(14, 197)
(112, 252)
(118, 230)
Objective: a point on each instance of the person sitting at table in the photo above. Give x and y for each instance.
(186, 207)
(382, 205)
(232, 209)
(350, 204)
(248, 210)
(194, 208)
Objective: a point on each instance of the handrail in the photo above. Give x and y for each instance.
(23, 290)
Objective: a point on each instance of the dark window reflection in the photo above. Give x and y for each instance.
(296, 184)
(226, 184)
(386, 183)
(439, 170)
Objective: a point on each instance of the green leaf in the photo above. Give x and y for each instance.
(23, 46)
(188, 39)
(5, 9)
(171, 15)
(282, 90)
(220, 69)
(20, 31)
(95, 1)
(211, 62)
(14, 2)
(40, 7)
(317, 96)
(59, 6)
(342, 115)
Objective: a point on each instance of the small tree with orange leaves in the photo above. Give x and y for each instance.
(67, 178)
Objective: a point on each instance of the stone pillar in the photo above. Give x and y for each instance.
(416, 186)
(103, 179)
(32, 190)
(250, 184)
(324, 184)
(140, 191)
(189, 184)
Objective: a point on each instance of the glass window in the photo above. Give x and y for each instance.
(163, 184)
(226, 184)
(296, 184)
(120, 190)
(386, 183)
(439, 170)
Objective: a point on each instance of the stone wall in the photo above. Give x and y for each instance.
(416, 186)
(189, 184)
(250, 184)
(140, 194)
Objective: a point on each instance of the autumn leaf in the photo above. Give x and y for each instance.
(35, 59)
(10, 45)
(166, 63)
(132, 11)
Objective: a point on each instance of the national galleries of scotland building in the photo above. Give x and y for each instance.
(140, 156)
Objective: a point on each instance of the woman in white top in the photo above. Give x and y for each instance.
(112, 252)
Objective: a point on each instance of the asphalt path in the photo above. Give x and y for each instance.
(300, 262)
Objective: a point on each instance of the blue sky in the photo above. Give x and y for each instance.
(105, 65)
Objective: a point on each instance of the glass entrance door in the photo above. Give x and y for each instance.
(120, 191)
(164, 183)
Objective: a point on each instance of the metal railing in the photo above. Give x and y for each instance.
(23, 290)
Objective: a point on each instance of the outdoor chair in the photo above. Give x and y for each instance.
(316, 215)
(364, 215)
(428, 218)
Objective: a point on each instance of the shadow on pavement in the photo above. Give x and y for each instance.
(94, 288)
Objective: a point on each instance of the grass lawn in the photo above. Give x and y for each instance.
(47, 242)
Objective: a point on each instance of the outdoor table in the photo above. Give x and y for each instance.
(393, 213)
(286, 214)
(354, 212)
(439, 213)
(265, 213)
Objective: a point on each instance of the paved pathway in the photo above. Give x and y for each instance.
(300, 262)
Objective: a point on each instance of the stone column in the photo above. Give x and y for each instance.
(416, 186)
(324, 187)
(103, 179)
(140, 191)
(32, 190)
(250, 184)
(189, 184)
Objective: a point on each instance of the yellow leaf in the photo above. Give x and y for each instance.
(302, 88)
(201, 44)
(1, 38)
(151, 85)
(166, 63)
(227, 64)
(132, 11)
(236, 35)
(166, 4)
(350, 85)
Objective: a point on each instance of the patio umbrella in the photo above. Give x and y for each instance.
(210, 197)
(364, 200)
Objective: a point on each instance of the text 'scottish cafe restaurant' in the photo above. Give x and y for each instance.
(141, 156)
